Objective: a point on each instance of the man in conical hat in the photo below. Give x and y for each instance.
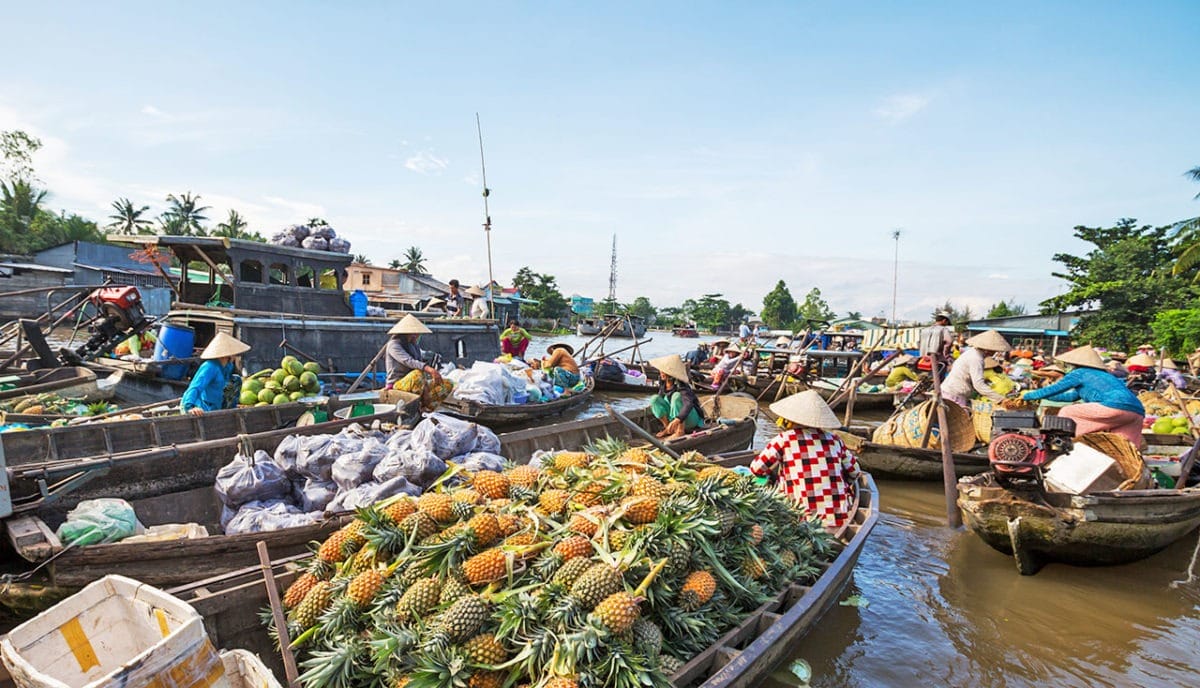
(406, 367)
(206, 391)
(966, 377)
(1107, 404)
(814, 466)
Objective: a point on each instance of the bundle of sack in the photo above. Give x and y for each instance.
(313, 237)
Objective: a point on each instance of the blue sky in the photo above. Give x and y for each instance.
(726, 146)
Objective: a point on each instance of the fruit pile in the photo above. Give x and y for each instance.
(49, 403)
(609, 567)
(292, 380)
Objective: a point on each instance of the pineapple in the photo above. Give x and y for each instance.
(421, 523)
(315, 602)
(647, 637)
(364, 559)
(486, 679)
(491, 484)
(453, 589)
(564, 460)
(523, 475)
(717, 473)
(486, 528)
(298, 590)
(753, 568)
(669, 664)
(466, 496)
(561, 682)
(587, 522)
(553, 501)
(420, 599)
(461, 620)
(618, 612)
(437, 506)
(485, 649)
(336, 547)
(520, 540)
(571, 571)
(598, 582)
(645, 486)
(756, 534)
(572, 547)
(697, 589)
(364, 587)
(640, 509)
(399, 510)
(635, 455)
(510, 523)
(487, 566)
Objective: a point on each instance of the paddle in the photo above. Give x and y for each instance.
(640, 432)
(369, 368)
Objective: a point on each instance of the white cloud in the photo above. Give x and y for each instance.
(426, 163)
(898, 108)
(152, 111)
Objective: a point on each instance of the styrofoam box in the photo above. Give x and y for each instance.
(635, 379)
(246, 670)
(114, 632)
(1083, 470)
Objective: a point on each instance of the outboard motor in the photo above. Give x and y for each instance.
(119, 316)
(1020, 446)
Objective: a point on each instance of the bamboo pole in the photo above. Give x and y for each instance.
(949, 481)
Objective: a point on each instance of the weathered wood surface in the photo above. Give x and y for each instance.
(914, 463)
(498, 416)
(67, 382)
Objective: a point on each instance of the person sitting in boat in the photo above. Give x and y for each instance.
(560, 365)
(965, 378)
(1170, 373)
(814, 466)
(696, 356)
(206, 392)
(676, 404)
(1108, 405)
(900, 372)
(514, 340)
(726, 366)
(996, 378)
(716, 350)
(406, 368)
(479, 304)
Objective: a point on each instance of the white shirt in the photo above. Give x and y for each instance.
(727, 364)
(479, 307)
(966, 377)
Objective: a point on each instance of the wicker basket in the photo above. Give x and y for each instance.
(909, 427)
(1127, 456)
(981, 418)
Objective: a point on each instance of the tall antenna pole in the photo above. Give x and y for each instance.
(487, 219)
(895, 271)
(612, 275)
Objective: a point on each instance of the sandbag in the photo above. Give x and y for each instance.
(368, 493)
(354, 468)
(247, 479)
(93, 521)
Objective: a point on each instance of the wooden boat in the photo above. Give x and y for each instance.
(651, 386)
(740, 658)
(630, 327)
(909, 463)
(1089, 530)
(508, 416)
(686, 332)
(66, 382)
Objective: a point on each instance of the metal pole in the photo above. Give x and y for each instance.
(895, 272)
(487, 222)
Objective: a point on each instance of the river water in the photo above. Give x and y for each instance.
(940, 608)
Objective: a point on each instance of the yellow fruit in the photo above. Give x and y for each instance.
(487, 566)
(635, 455)
(484, 649)
(697, 589)
(316, 601)
(520, 540)
(490, 484)
(298, 590)
(754, 568)
(523, 475)
(574, 546)
(336, 547)
(716, 472)
(587, 522)
(466, 496)
(645, 486)
(554, 501)
(486, 528)
(640, 509)
(756, 534)
(618, 611)
(565, 460)
(419, 599)
(437, 506)
(562, 682)
(400, 510)
(486, 679)
(509, 523)
(365, 586)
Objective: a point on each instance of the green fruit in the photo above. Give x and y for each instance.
(283, 362)
(262, 403)
(1180, 422)
(295, 368)
(312, 367)
(291, 383)
(273, 386)
(266, 396)
(252, 385)
(281, 399)
(1162, 426)
(279, 376)
(248, 398)
(308, 379)
(296, 396)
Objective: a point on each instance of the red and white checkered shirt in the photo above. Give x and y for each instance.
(815, 468)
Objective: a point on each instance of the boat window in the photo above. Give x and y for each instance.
(252, 271)
(279, 274)
(460, 347)
(328, 279)
(304, 276)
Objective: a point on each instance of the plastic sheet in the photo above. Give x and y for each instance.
(261, 516)
(444, 435)
(247, 479)
(93, 521)
(371, 492)
(354, 468)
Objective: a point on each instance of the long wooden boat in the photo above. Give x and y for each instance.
(1089, 530)
(741, 658)
(913, 463)
(686, 332)
(70, 381)
(651, 377)
(508, 416)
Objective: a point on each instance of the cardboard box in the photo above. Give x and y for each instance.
(1084, 470)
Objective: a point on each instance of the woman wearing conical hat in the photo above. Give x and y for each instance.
(966, 378)
(406, 367)
(1107, 404)
(814, 466)
(676, 404)
(206, 392)
(1169, 372)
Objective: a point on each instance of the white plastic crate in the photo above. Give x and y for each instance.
(115, 632)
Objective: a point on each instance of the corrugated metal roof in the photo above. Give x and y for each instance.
(33, 266)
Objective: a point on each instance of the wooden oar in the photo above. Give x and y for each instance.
(369, 368)
(618, 351)
(640, 432)
(1185, 466)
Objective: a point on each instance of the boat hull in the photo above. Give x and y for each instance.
(908, 463)
(1091, 530)
(512, 416)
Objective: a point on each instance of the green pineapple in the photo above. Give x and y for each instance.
(419, 599)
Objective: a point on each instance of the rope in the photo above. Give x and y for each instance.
(1191, 570)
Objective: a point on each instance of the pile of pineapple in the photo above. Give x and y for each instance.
(606, 567)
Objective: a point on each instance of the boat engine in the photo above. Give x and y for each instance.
(1021, 446)
(119, 316)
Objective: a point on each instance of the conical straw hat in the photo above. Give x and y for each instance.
(1140, 360)
(1086, 357)
(807, 408)
(434, 303)
(671, 365)
(989, 363)
(224, 345)
(1169, 364)
(409, 325)
(783, 342)
(475, 291)
(990, 341)
(561, 345)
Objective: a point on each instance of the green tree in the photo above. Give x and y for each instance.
(20, 204)
(49, 230)
(128, 218)
(642, 308)
(1005, 309)
(543, 288)
(607, 307)
(779, 308)
(670, 316)
(1177, 330)
(361, 258)
(959, 317)
(16, 155)
(711, 312)
(1122, 283)
(855, 315)
(814, 307)
(395, 264)
(235, 227)
(414, 261)
(184, 215)
(1187, 238)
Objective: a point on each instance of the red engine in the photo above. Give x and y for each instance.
(1020, 446)
(119, 315)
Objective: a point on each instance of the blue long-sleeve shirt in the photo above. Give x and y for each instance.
(1091, 385)
(207, 390)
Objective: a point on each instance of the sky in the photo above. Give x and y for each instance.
(726, 145)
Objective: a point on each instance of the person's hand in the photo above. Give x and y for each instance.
(196, 411)
(1024, 393)
(437, 377)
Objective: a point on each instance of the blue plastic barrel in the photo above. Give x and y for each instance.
(358, 303)
(174, 341)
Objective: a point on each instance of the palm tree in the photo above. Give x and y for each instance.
(184, 214)
(1187, 238)
(234, 226)
(414, 261)
(395, 264)
(127, 219)
(362, 258)
(20, 203)
(316, 222)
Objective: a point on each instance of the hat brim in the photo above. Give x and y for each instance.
(561, 345)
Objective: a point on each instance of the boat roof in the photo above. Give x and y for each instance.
(214, 247)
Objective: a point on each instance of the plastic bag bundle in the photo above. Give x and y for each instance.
(400, 439)
(339, 245)
(300, 232)
(484, 385)
(315, 243)
(285, 238)
(286, 454)
(481, 461)
(486, 440)
(247, 479)
(316, 458)
(418, 465)
(260, 516)
(445, 435)
(93, 521)
(312, 495)
(350, 470)
(371, 492)
(322, 232)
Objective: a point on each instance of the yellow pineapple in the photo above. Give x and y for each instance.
(645, 486)
(466, 496)
(510, 523)
(298, 589)
(487, 566)
(640, 509)
(486, 528)
(572, 547)
(561, 682)
(484, 649)
(491, 484)
(756, 534)
(365, 586)
(399, 510)
(486, 679)
(586, 523)
(618, 611)
(523, 475)
(437, 506)
(419, 599)
(554, 501)
(697, 589)
(315, 602)
(565, 460)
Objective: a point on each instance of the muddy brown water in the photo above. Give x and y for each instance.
(944, 609)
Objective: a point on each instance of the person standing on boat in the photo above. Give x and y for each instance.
(744, 332)
(966, 375)
(938, 337)
(560, 365)
(814, 466)
(479, 304)
(455, 303)
(514, 340)
(206, 392)
(676, 404)
(1108, 405)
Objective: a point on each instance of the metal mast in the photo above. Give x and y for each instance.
(487, 219)
(612, 274)
(895, 272)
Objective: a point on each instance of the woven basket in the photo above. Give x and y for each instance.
(1127, 456)
(910, 427)
(981, 418)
